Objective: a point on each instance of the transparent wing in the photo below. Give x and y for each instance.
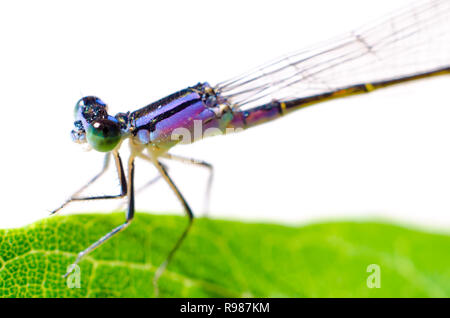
(411, 41)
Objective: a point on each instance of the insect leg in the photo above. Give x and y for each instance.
(162, 170)
(200, 163)
(129, 218)
(122, 179)
(180, 240)
(142, 188)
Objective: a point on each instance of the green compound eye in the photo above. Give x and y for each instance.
(103, 135)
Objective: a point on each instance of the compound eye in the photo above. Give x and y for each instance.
(103, 134)
(89, 104)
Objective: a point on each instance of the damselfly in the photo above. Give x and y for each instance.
(409, 45)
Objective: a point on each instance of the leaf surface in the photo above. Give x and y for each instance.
(222, 259)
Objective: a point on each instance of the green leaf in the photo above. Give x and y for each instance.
(223, 259)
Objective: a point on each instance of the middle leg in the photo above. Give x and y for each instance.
(162, 170)
(199, 163)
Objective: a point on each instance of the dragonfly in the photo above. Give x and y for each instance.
(408, 45)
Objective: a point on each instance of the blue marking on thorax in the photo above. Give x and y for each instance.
(165, 111)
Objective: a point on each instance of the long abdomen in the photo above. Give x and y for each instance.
(268, 112)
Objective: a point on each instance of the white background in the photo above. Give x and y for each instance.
(384, 155)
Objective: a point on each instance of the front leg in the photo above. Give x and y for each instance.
(129, 217)
(122, 179)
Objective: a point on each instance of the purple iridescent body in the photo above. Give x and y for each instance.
(191, 114)
(168, 121)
